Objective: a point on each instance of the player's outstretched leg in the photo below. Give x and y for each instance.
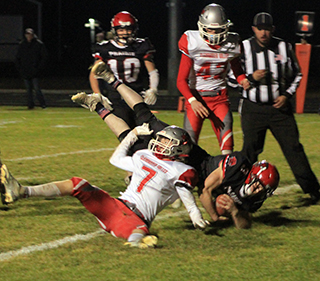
(11, 190)
(90, 101)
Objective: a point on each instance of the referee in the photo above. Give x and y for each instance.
(274, 74)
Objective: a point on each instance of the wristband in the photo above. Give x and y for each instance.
(191, 99)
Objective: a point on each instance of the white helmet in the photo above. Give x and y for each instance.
(213, 16)
(177, 147)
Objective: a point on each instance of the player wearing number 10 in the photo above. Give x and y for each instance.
(128, 57)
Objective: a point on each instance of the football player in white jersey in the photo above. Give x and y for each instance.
(207, 55)
(244, 186)
(159, 178)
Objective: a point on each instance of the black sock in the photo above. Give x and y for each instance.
(115, 84)
(103, 112)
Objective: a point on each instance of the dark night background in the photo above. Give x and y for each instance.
(68, 41)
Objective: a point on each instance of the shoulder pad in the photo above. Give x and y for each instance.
(233, 38)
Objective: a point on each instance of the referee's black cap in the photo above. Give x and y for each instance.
(263, 19)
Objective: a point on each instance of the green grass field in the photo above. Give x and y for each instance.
(58, 239)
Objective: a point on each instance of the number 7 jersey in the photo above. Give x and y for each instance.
(157, 183)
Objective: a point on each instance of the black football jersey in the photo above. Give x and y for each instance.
(126, 62)
(236, 168)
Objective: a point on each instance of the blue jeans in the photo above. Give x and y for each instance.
(33, 83)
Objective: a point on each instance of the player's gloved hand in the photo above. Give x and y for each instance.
(143, 130)
(150, 96)
(149, 241)
(103, 71)
(201, 224)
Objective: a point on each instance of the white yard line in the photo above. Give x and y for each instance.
(213, 136)
(50, 245)
(59, 154)
(69, 239)
(85, 237)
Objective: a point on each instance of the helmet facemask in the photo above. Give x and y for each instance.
(171, 143)
(266, 175)
(220, 35)
(125, 38)
(213, 17)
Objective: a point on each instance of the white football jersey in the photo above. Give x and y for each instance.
(157, 183)
(211, 63)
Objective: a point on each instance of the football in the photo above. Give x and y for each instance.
(221, 211)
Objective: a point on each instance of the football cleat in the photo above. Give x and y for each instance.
(149, 241)
(90, 101)
(103, 71)
(11, 190)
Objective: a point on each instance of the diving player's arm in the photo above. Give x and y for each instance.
(119, 157)
(212, 182)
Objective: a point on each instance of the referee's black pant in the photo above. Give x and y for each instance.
(256, 119)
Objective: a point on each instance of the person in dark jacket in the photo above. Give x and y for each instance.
(30, 62)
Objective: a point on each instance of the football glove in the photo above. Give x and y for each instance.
(143, 130)
(150, 96)
(201, 224)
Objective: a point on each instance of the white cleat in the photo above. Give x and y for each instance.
(149, 241)
(103, 71)
(90, 101)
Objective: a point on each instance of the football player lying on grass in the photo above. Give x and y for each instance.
(159, 178)
(230, 174)
(238, 191)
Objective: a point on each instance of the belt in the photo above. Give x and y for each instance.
(210, 93)
(134, 209)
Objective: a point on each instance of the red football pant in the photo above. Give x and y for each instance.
(112, 215)
(220, 117)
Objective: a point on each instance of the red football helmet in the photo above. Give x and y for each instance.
(266, 173)
(124, 20)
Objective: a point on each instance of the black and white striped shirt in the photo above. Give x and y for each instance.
(279, 60)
